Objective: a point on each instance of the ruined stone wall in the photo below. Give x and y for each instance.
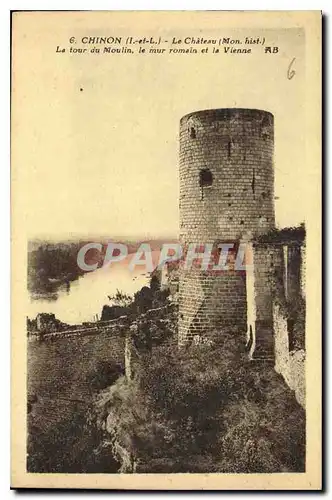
(290, 364)
(61, 367)
(268, 275)
(61, 360)
(226, 192)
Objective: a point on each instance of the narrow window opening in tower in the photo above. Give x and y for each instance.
(253, 182)
(229, 148)
(192, 133)
(205, 177)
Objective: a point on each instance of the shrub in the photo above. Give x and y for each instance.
(204, 408)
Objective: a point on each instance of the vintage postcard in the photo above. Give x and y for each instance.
(166, 232)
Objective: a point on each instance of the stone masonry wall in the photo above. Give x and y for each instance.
(290, 364)
(59, 368)
(289, 322)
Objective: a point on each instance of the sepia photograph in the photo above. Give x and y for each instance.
(166, 180)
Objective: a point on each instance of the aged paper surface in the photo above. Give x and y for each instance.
(144, 131)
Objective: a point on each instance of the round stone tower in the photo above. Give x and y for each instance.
(226, 193)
